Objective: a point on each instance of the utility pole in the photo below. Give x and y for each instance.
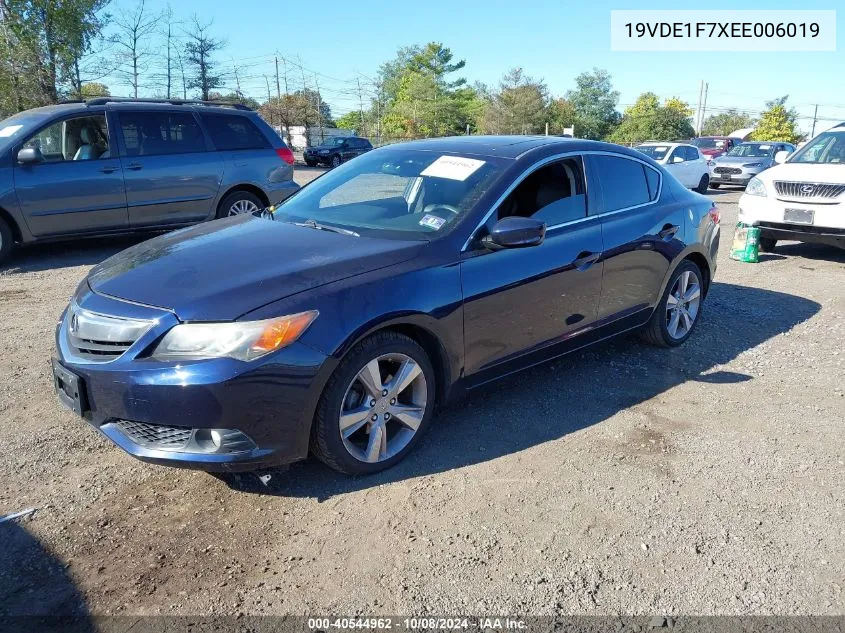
(704, 103)
(319, 100)
(237, 79)
(815, 116)
(361, 103)
(698, 109)
(168, 59)
(278, 90)
(305, 94)
(269, 105)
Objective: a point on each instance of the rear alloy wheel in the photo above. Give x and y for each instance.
(335, 160)
(375, 406)
(677, 313)
(239, 203)
(703, 184)
(767, 244)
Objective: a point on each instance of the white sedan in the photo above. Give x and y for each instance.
(683, 161)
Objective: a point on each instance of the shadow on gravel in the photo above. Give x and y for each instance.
(54, 255)
(36, 591)
(821, 252)
(549, 401)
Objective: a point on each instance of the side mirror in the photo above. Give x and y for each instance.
(30, 156)
(781, 157)
(515, 232)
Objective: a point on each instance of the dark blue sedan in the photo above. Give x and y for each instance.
(337, 323)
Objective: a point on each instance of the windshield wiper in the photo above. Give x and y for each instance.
(313, 224)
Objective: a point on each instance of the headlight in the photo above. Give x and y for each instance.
(243, 340)
(755, 187)
(752, 164)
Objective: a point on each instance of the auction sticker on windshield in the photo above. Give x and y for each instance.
(452, 167)
(432, 222)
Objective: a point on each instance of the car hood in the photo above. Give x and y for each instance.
(741, 160)
(218, 271)
(833, 173)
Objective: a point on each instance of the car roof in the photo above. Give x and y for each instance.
(510, 146)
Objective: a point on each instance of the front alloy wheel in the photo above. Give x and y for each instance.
(383, 408)
(375, 406)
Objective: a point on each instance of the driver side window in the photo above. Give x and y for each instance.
(678, 156)
(554, 194)
(80, 138)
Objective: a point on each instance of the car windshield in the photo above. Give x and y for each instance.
(755, 150)
(333, 142)
(709, 143)
(394, 193)
(657, 152)
(827, 147)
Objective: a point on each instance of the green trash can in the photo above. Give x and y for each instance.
(746, 244)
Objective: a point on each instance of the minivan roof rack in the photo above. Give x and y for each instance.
(225, 104)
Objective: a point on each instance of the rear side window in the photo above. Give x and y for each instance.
(155, 133)
(623, 182)
(232, 132)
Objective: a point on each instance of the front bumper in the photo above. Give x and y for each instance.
(271, 400)
(733, 179)
(768, 213)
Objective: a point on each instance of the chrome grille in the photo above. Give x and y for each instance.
(100, 337)
(155, 435)
(727, 170)
(790, 189)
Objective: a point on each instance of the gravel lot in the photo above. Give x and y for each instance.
(703, 480)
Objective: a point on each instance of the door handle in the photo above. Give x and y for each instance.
(109, 169)
(134, 166)
(668, 232)
(585, 260)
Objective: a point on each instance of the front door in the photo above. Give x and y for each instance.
(78, 185)
(523, 299)
(172, 176)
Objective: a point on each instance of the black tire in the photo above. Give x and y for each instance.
(656, 330)
(335, 160)
(714, 185)
(326, 442)
(7, 241)
(237, 196)
(703, 184)
(311, 163)
(768, 244)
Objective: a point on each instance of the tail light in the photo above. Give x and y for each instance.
(715, 214)
(286, 155)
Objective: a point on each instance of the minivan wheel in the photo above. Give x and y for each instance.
(375, 406)
(239, 203)
(7, 241)
(335, 160)
(703, 184)
(679, 308)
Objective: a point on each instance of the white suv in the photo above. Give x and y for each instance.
(803, 197)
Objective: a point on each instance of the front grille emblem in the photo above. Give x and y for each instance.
(807, 189)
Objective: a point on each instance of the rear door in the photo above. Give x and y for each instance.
(78, 187)
(677, 165)
(523, 299)
(171, 175)
(639, 233)
(696, 165)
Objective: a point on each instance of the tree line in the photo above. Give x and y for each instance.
(52, 50)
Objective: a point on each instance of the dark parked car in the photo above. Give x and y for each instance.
(377, 292)
(110, 166)
(336, 150)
